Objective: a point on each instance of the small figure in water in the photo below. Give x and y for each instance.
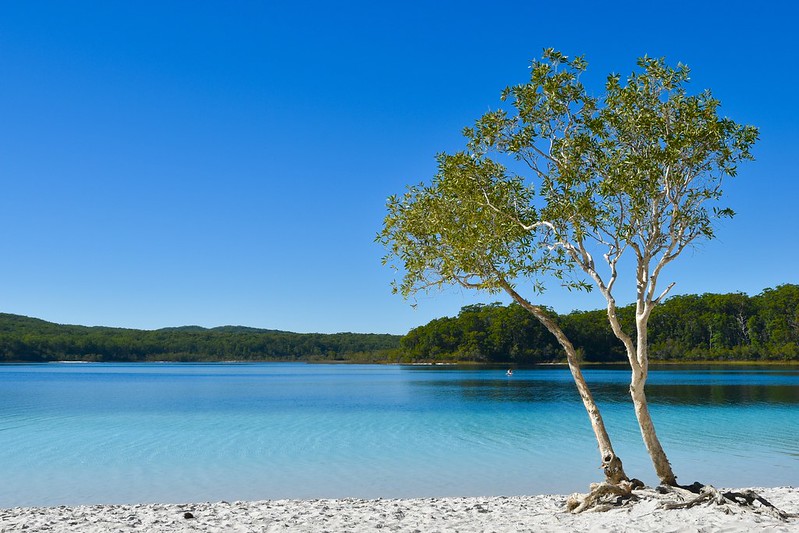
(509, 372)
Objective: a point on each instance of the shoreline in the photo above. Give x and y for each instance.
(472, 514)
(653, 363)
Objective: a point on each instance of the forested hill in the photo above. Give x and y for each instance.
(710, 326)
(31, 339)
(707, 327)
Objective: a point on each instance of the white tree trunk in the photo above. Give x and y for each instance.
(637, 384)
(611, 463)
(638, 356)
(656, 453)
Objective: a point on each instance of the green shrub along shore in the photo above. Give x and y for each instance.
(710, 327)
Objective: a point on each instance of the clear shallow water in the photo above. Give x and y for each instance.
(129, 433)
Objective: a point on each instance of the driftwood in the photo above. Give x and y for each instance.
(606, 496)
(697, 494)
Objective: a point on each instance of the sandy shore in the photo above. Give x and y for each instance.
(499, 514)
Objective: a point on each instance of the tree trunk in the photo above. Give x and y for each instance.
(611, 464)
(637, 384)
(656, 453)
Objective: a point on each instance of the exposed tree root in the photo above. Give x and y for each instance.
(696, 494)
(606, 496)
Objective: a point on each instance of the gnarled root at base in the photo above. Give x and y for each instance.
(604, 496)
(616, 490)
(613, 469)
(696, 494)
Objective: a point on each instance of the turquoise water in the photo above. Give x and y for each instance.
(131, 433)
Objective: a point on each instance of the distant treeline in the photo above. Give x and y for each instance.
(30, 339)
(684, 328)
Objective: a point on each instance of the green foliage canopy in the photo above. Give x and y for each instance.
(457, 229)
(640, 168)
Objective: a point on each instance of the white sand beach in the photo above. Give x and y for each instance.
(498, 514)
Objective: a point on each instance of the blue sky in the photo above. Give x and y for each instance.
(211, 163)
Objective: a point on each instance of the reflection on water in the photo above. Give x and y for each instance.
(542, 391)
(498, 390)
(688, 386)
(731, 395)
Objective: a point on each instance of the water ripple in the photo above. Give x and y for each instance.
(136, 433)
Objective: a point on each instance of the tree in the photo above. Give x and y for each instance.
(776, 327)
(469, 228)
(637, 171)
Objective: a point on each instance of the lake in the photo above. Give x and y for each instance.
(137, 433)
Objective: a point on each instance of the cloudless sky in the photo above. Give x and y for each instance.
(211, 163)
